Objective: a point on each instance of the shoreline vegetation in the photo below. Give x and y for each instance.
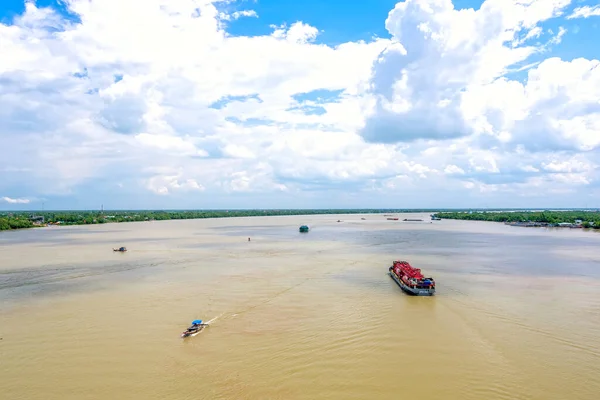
(589, 219)
(32, 219)
(11, 220)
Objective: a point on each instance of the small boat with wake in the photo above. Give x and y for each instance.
(122, 249)
(411, 280)
(196, 327)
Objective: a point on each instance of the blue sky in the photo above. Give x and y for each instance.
(299, 104)
(353, 20)
(9, 9)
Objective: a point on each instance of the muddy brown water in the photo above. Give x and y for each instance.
(299, 316)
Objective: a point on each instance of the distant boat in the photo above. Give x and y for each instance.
(412, 219)
(121, 249)
(411, 280)
(303, 228)
(393, 219)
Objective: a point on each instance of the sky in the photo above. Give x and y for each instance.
(192, 104)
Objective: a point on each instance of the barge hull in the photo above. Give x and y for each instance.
(409, 290)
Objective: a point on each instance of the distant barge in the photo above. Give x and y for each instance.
(411, 280)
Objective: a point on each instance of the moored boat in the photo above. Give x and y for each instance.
(411, 280)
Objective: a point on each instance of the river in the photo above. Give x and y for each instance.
(299, 316)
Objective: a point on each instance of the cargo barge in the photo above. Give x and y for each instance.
(411, 280)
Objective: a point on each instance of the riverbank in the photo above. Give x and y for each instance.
(32, 219)
(559, 219)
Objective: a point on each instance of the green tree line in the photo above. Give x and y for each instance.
(17, 220)
(588, 218)
(7, 223)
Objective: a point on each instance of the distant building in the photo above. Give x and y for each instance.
(37, 220)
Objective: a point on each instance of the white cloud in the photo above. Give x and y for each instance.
(237, 151)
(556, 109)
(172, 104)
(166, 184)
(585, 12)
(177, 144)
(440, 55)
(453, 169)
(10, 200)
(558, 38)
(238, 14)
(298, 32)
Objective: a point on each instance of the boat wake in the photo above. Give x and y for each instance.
(214, 319)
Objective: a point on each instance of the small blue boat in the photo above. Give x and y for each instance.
(196, 327)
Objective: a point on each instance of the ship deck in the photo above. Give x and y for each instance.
(409, 290)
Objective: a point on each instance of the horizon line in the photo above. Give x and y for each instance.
(309, 209)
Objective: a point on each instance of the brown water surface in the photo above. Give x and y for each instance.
(299, 316)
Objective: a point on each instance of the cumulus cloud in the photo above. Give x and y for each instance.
(438, 55)
(557, 109)
(468, 101)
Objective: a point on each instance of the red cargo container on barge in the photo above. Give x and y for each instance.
(411, 280)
